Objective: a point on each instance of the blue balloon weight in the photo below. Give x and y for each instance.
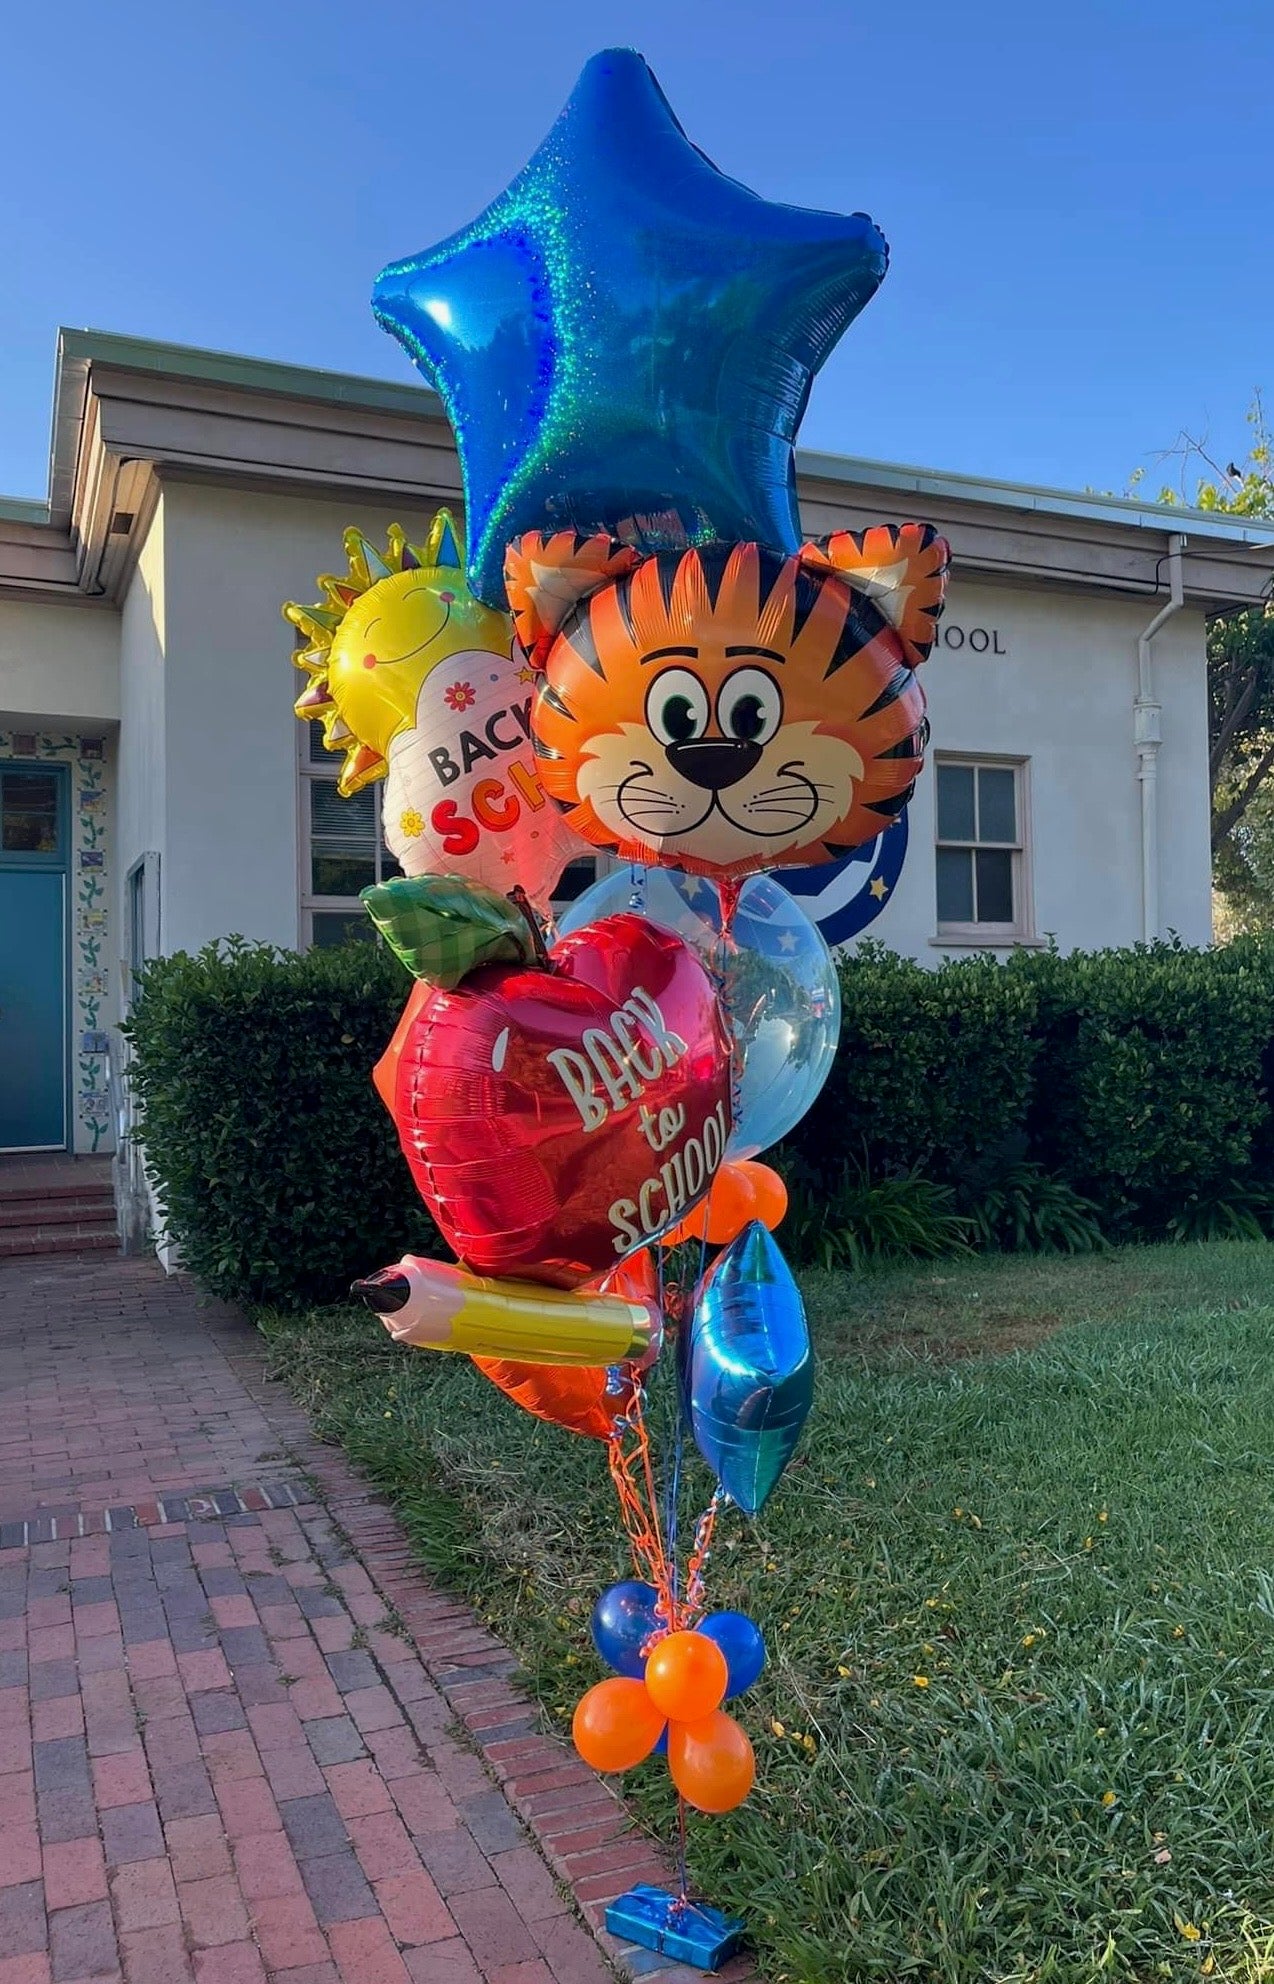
(747, 1367)
(623, 1620)
(739, 1639)
(781, 992)
(626, 339)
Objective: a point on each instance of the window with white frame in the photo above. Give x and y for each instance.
(341, 848)
(981, 858)
(343, 851)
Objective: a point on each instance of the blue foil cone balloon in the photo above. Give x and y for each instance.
(748, 1371)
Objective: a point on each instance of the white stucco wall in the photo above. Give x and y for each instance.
(59, 664)
(1055, 686)
(142, 779)
(230, 561)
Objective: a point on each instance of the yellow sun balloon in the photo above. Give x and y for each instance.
(378, 632)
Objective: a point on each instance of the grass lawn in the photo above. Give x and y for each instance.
(1018, 1722)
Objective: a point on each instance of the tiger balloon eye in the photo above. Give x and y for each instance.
(724, 710)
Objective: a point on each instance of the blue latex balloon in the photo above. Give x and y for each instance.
(748, 1371)
(781, 992)
(623, 1620)
(739, 1639)
(625, 340)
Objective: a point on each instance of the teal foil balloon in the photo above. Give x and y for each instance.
(626, 339)
(747, 1368)
(779, 985)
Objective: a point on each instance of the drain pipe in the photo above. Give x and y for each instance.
(1148, 735)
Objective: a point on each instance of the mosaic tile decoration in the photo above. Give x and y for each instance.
(89, 885)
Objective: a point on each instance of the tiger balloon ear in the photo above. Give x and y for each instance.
(546, 575)
(902, 567)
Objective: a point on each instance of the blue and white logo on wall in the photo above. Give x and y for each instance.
(845, 896)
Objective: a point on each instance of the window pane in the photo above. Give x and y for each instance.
(343, 836)
(29, 809)
(955, 802)
(338, 926)
(576, 877)
(997, 804)
(319, 753)
(995, 886)
(955, 885)
(341, 874)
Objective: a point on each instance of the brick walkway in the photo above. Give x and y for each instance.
(241, 1737)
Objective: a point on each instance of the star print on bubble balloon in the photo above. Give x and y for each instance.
(626, 339)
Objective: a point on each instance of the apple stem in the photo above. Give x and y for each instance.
(521, 901)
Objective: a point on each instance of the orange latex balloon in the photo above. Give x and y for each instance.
(711, 1762)
(722, 1216)
(616, 1725)
(768, 1191)
(687, 1676)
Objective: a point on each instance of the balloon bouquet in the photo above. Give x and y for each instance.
(644, 657)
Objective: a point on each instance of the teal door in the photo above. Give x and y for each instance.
(33, 958)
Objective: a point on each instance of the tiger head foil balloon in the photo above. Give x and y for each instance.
(726, 709)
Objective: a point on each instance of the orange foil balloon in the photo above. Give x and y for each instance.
(616, 1725)
(728, 1208)
(687, 1676)
(578, 1397)
(768, 1190)
(711, 1762)
(725, 709)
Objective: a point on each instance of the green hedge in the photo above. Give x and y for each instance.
(1138, 1080)
(281, 1173)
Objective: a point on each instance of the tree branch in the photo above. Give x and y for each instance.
(1229, 816)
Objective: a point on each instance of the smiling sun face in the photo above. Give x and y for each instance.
(377, 633)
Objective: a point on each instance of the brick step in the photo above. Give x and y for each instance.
(66, 1181)
(28, 1241)
(85, 1209)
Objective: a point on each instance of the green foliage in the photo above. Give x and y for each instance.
(932, 1071)
(1022, 1210)
(1061, 1098)
(1149, 1081)
(1040, 1104)
(1238, 1211)
(1240, 689)
(280, 1170)
(864, 1222)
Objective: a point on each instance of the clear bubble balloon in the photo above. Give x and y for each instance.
(780, 989)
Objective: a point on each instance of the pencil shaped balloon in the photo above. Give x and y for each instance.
(437, 1306)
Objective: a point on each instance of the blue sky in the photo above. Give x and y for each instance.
(1078, 196)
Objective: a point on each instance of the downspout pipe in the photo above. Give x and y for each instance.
(1148, 736)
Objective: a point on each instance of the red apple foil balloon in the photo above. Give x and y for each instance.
(558, 1117)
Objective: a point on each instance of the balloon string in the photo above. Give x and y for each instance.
(700, 1552)
(683, 1895)
(631, 1472)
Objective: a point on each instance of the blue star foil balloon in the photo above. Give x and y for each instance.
(625, 340)
(748, 1369)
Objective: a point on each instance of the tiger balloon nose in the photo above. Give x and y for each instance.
(715, 763)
